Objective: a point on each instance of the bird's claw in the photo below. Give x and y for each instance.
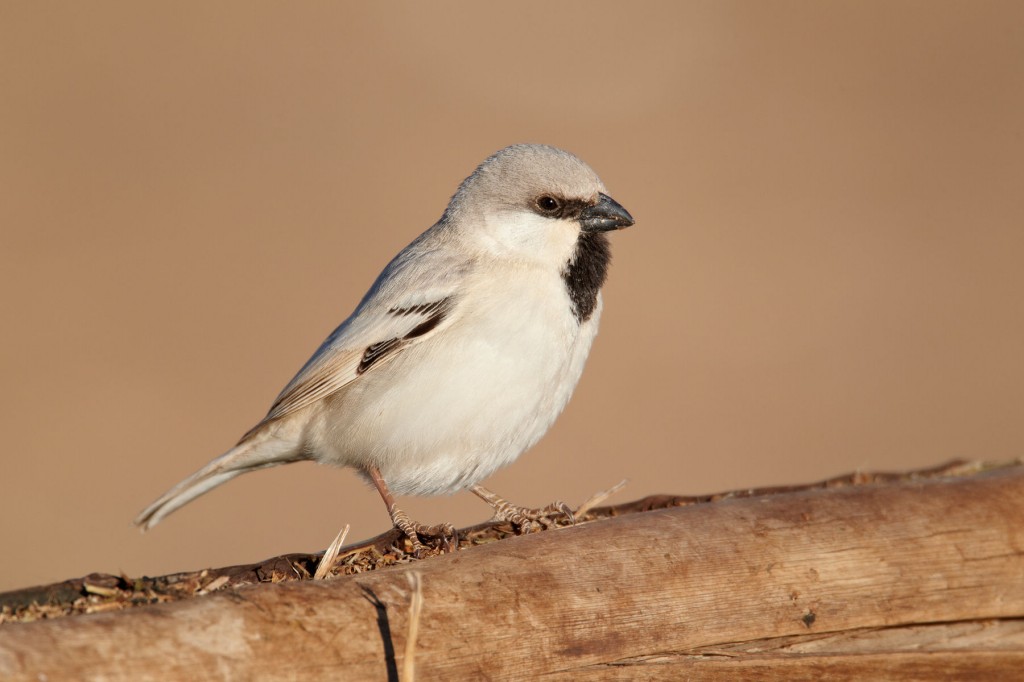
(442, 538)
(524, 520)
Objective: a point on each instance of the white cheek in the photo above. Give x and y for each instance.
(526, 235)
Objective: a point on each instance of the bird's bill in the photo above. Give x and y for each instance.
(606, 214)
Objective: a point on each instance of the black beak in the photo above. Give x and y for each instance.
(605, 215)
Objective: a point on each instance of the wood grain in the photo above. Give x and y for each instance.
(905, 580)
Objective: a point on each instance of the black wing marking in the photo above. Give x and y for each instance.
(437, 311)
(421, 309)
(375, 353)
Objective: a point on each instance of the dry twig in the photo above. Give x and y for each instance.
(326, 564)
(415, 609)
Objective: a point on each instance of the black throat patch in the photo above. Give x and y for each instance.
(585, 273)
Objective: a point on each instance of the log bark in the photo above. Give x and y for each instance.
(912, 579)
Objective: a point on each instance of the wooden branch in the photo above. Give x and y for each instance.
(913, 579)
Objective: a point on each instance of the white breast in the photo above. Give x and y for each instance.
(450, 411)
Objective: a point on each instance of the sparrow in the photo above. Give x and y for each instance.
(463, 352)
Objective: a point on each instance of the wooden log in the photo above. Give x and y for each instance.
(917, 579)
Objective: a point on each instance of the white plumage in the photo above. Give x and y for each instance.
(463, 352)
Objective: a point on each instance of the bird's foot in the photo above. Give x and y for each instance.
(524, 519)
(440, 539)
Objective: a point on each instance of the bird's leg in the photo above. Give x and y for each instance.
(444, 533)
(521, 517)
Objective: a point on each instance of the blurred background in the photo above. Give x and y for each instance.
(826, 274)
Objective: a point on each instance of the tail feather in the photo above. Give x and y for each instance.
(243, 458)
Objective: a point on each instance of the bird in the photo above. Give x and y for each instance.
(462, 353)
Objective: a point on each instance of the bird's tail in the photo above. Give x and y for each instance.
(249, 455)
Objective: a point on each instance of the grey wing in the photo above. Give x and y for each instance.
(404, 307)
(352, 354)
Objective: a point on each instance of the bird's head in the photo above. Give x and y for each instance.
(531, 203)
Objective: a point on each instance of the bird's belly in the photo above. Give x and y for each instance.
(447, 413)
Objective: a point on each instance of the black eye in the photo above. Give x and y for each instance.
(548, 204)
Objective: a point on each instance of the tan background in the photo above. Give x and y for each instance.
(826, 271)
